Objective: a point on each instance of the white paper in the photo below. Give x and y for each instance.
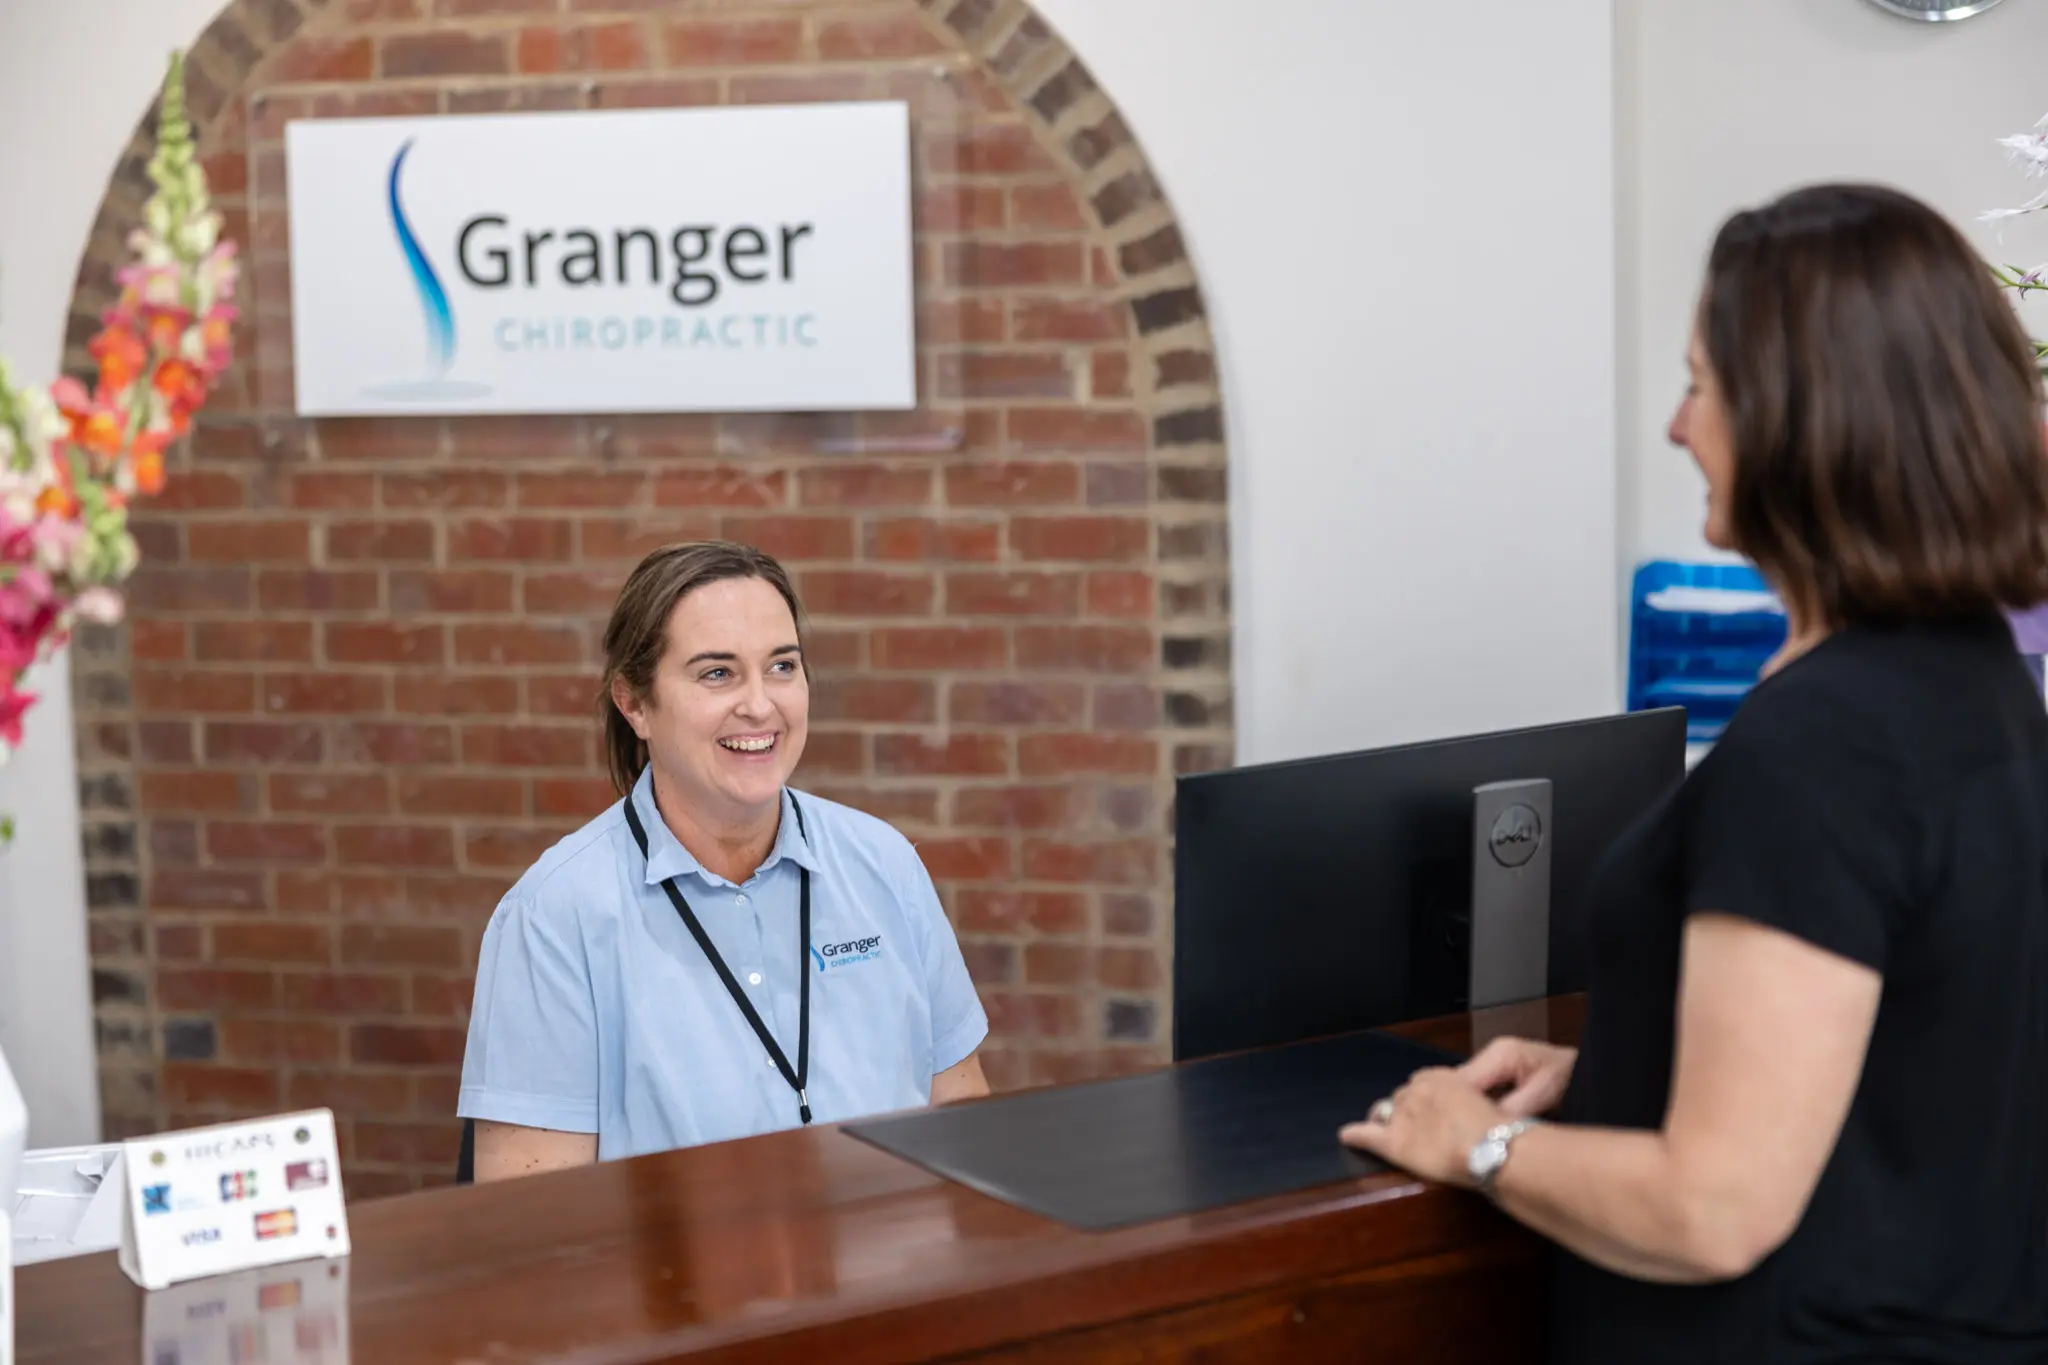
(67, 1203)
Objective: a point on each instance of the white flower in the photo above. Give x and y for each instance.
(2030, 150)
(2034, 205)
(41, 420)
(201, 235)
(102, 606)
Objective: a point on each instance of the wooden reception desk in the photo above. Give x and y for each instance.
(812, 1245)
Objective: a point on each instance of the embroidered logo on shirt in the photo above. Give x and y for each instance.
(846, 954)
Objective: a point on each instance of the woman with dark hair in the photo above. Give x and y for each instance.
(1809, 1117)
(716, 955)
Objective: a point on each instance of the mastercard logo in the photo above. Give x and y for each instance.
(282, 1223)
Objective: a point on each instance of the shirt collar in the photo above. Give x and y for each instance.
(666, 856)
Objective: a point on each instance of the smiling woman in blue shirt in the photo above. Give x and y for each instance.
(716, 955)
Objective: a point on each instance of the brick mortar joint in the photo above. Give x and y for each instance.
(1171, 515)
(997, 31)
(1086, 110)
(1139, 226)
(1187, 398)
(1174, 275)
(1040, 65)
(1190, 334)
(1126, 159)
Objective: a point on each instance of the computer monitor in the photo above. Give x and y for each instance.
(1323, 895)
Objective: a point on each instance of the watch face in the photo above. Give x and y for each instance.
(1934, 11)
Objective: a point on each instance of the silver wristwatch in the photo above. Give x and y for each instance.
(1490, 1153)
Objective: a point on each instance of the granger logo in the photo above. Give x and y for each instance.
(836, 955)
(692, 266)
(434, 305)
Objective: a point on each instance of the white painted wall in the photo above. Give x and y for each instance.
(1734, 101)
(75, 75)
(1403, 218)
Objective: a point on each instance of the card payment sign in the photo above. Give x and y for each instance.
(209, 1201)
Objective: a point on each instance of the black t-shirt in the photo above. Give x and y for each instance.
(1884, 797)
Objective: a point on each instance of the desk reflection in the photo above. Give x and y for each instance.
(720, 1259)
(279, 1315)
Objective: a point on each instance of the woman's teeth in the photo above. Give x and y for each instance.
(750, 746)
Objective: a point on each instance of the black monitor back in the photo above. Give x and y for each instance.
(1329, 894)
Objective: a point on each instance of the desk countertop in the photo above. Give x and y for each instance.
(803, 1245)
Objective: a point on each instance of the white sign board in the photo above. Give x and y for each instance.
(209, 1201)
(674, 260)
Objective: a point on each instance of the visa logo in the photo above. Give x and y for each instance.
(200, 1236)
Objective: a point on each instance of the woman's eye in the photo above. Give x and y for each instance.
(715, 674)
(785, 665)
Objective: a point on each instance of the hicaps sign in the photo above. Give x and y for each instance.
(658, 261)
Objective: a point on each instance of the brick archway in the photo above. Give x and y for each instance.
(349, 703)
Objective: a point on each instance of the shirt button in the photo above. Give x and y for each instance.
(740, 899)
(753, 978)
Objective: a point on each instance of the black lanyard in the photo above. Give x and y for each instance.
(798, 1078)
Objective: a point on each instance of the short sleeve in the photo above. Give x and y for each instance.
(1803, 820)
(959, 1022)
(532, 1053)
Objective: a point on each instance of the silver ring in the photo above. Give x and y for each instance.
(1383, 1112)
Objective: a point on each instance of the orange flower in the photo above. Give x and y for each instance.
(180, 382)
(218, 339)
(121, 356)
(55, 501)
(149, 471)
(94, 425)
(183, 388)
(167, 327)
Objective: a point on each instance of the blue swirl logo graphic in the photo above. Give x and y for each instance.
(433, 298)
(819, 956)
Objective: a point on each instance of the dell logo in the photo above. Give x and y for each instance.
(1515, 836)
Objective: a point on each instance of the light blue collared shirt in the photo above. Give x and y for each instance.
(596, 1011)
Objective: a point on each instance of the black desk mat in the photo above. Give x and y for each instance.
(1166, 1143)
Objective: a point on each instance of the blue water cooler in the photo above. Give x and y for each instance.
(1699, 634)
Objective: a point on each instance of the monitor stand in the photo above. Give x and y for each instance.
(1511, 838)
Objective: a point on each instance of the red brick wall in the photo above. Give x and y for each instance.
(354, 697)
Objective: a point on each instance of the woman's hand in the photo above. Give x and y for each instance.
(1429, 1126)
(1536, 1074)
